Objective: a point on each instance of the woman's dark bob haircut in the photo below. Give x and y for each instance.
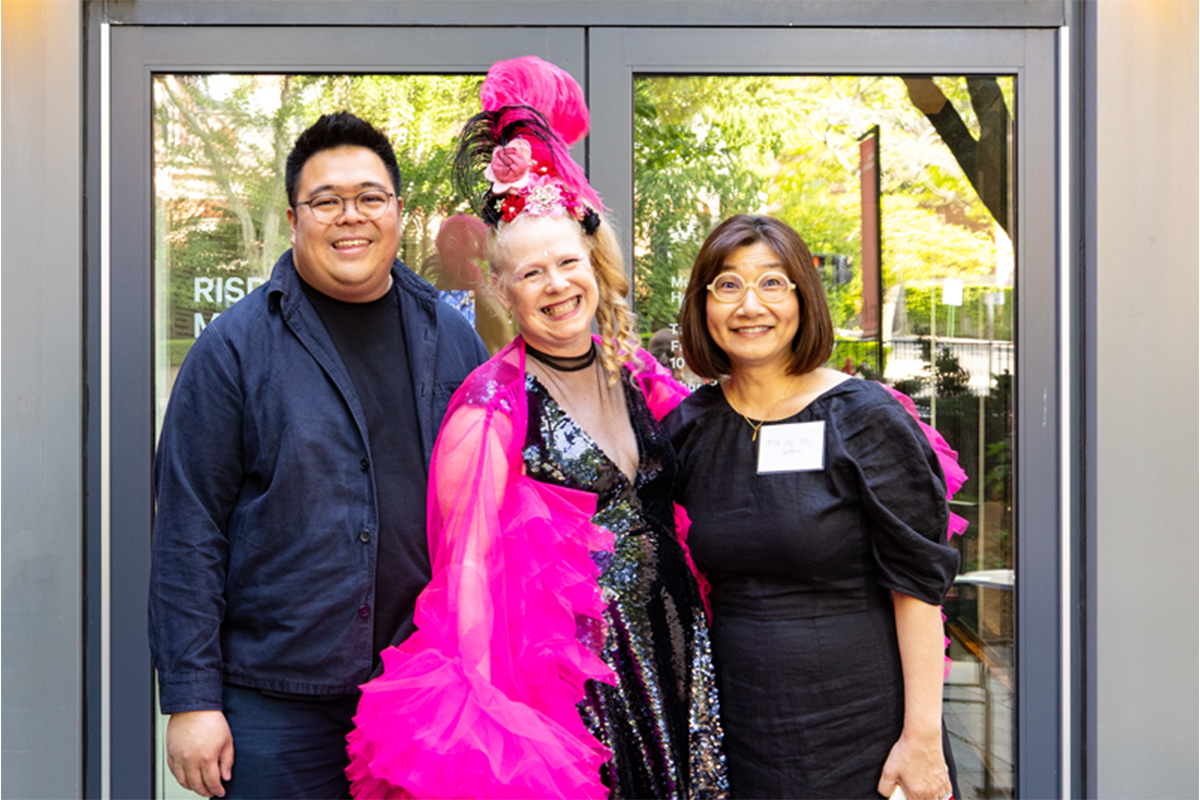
(813, 343)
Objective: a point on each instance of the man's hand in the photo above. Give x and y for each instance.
(200, 751)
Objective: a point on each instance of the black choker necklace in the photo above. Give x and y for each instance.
(564, 363)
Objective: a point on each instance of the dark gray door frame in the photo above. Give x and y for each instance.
(148, 37)
(617, 55)
(596, 13)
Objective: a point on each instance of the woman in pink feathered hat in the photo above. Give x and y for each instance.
(562, 646)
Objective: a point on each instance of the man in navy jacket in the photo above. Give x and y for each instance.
(289, 540)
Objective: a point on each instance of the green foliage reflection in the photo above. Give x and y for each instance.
(221, 143)
(709, 147)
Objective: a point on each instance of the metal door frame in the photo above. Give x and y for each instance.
(129, 41)
(617, 55)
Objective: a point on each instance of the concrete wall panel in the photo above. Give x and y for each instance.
(40, 247)
(1147, 282)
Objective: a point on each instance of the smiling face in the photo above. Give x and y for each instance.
(752, 333)
(349, 259)
(544, 276)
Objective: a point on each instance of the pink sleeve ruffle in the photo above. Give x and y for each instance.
(947, 456)
(956, 476)
(663, 392)
(481, 700)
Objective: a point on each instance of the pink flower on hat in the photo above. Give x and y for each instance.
(510, 166)
(543, 197)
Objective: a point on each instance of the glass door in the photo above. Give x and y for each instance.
(793, 147)
(903, 174)
(199, 218)
(221, 141)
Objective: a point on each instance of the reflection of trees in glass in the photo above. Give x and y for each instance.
(983, 155)
(972, 318)
(225, 148)
(951, 378)
(959, 418)
(691, 163)
(220, 148)
(709, 147)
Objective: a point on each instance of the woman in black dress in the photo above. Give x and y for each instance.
(819, 516)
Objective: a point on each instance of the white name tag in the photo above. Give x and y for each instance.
(795, 447)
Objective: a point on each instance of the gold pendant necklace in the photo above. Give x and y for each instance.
(761, 422)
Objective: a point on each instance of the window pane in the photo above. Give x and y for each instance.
(221, 142)
(220, 146)
(940, 326)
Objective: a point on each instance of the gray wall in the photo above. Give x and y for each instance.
(40, 248)
(1145, 327)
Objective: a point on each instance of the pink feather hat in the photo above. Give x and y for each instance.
(518, 145)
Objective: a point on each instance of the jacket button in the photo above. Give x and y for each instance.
(366, 465)
(364, 611)
(364, 536)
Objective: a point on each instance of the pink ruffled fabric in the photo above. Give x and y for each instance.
(947, 456)
(481, 700)
(956, 476)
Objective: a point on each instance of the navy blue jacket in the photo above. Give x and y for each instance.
(264, 551)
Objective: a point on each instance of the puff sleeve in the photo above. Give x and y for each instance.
(903, 491)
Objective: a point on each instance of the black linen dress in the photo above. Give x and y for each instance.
(660, 720)
(801, 564)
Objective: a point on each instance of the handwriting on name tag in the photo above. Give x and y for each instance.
(794, 447)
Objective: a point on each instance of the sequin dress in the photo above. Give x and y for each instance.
(660, 719)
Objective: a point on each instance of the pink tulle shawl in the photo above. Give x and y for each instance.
(481, 700)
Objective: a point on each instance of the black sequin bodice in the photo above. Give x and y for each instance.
(661, 718)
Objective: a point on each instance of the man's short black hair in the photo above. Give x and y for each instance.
(342, 129)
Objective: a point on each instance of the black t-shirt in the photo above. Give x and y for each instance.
(370, 340)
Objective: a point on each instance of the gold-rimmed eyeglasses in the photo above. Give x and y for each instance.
(771, 287)
(329, 207)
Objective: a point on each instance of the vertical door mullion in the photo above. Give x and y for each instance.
(1038, 549)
